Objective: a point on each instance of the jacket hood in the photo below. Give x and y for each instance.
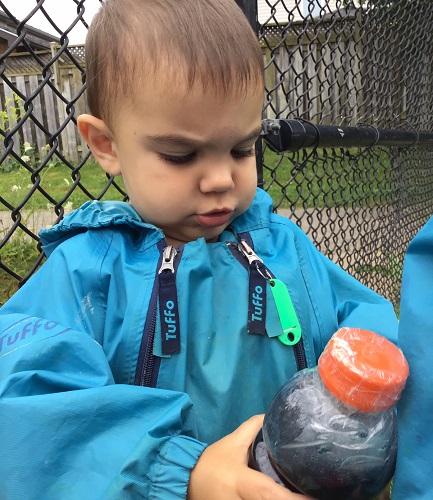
(103, 214)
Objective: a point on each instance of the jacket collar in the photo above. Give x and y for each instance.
(103, 214)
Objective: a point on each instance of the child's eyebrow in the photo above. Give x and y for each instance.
(254, 135)
(179, 140)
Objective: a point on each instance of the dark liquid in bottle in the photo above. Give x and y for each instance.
(332, 487)
(313, 444)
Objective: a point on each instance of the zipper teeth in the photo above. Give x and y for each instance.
(144, 362)
(301, 361)
(146, 372)
(146, 358)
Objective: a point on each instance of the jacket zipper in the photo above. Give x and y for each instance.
(147, 364)
(252, 261)
(146, 373)
(257, 290)
(168, 308)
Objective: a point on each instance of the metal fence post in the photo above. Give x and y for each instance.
(249, 8)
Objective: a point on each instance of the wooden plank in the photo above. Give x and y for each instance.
(326, 76)
(51, 113)
(63, 116)
(80, 108)
(69, 137)
(298, 83)
(341, 81)
(270, 75)
(278, 94)
(285, 90)
(355, 83)
(50, 109)
(312, 101)
(319, 83)
(28, 136)
(61, 108)
(2, 146)
(41, 139)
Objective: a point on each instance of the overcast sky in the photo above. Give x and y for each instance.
(62, 12)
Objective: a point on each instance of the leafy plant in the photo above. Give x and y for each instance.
(19, 255)
(12, 110)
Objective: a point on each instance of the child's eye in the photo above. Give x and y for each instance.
(177, 160)
(239, 153)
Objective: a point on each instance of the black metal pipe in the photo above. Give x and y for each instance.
(293, 135)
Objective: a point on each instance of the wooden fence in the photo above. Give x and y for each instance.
(335, 75)
(24, 73)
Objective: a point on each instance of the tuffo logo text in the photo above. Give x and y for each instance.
(27, 330)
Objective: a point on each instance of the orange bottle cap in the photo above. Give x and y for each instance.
(363, 369)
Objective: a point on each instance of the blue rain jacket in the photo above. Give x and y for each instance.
(97, 401)
(413, 477)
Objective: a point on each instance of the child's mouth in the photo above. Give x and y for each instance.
(214, 219)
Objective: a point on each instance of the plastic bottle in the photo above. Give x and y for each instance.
(331, 431)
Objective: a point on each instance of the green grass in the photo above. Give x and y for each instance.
(57, 181)
(327, 178)
(304, 179)
(20, 253)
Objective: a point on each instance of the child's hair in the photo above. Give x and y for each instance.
(174, 44)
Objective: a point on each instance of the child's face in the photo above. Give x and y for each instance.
(188, 161)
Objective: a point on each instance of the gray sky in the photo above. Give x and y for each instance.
(62, 12)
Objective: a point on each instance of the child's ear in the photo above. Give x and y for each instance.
(100, 141)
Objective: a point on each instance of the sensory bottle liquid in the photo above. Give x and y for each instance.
(331, 431)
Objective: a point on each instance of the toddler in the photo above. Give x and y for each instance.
(138, 361)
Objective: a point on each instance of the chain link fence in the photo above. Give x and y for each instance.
(352, 64)
(357, 67)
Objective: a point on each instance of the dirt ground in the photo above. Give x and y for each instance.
(34, 221)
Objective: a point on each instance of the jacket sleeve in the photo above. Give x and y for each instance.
(413, 477)
(67, 430)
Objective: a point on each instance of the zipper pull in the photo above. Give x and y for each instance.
(248, 252)
(168, 259)
(288, 318)
(258, 277)
(168, 307)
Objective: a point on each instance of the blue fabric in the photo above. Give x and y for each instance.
(413, 477)
(70, 339)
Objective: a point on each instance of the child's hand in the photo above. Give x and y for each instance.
(222, 471)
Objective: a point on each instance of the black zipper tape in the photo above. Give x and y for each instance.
(169, 313)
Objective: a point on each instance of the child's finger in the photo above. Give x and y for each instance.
(257, 486)
(246, 433)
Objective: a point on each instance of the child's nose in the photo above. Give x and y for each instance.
(218, 177)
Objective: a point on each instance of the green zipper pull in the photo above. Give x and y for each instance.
(289, 320)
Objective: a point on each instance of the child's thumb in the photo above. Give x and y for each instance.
(247, 432)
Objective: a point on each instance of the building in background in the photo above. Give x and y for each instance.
(35, 38)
